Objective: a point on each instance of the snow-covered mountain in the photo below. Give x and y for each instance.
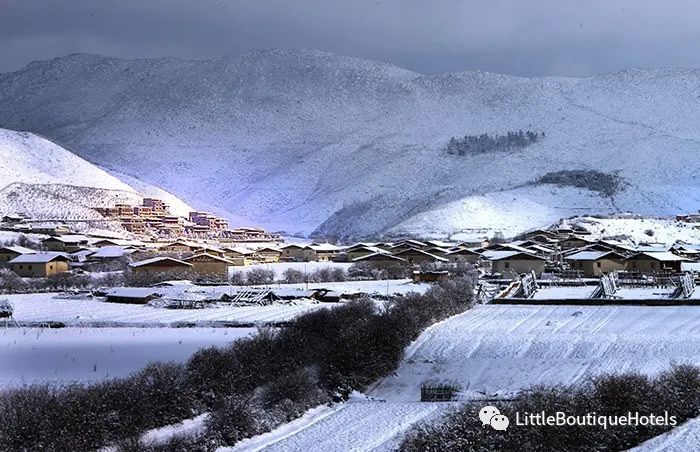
(309, 141)
(45, 181)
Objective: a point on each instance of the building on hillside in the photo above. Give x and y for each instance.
(655, 262)
(210, 265)
(40, 265)
(65, 243)
(596, 263)
(686, 250)
(8, 253)
(160, 265)
(416, 256)
(156, 205)
(688, 218)
(463, 255)
(15, 218)
(507, 263)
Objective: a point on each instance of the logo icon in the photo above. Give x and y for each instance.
(490, 415)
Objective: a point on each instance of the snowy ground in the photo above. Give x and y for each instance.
(31, 355)
(306, 267)
(638, 229)
(683, 438)
(37, 308)
(353, 426)
(496, 350)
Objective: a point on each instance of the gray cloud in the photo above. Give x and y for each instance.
(535, 37)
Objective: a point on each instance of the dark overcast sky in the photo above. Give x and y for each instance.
(520, 37)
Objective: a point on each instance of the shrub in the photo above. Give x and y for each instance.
(293, 276)
(676, 391)
(10, 282)
(251, 386)
(260, 276)
(237, 278)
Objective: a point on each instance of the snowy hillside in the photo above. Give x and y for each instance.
(45, 181)
(308, 141)
(31, 159)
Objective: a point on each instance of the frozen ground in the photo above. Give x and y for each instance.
(31, 355)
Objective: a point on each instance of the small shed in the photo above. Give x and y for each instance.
(131, 295)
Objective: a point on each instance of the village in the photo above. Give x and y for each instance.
(203, 250)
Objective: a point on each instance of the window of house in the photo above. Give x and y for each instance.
(653, 265)
(21, 267)
(597, 264)
(507, 265)
(29, 267)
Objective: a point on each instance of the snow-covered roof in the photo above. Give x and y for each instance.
(383, 255)
(132, 292)
(39, 258)
(500, 255)
(72, 238)
(209, 256)
(324, 247)
(462, 251)
(154, 260)
(424, 253)
(663, 256)
(18, 249)
(591, 255)
(112, 251)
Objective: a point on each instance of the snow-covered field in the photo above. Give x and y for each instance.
(38, 308)
(32, 355)
(684, 438)
(497, 350)
(353, 426)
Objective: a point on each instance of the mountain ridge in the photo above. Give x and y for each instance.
(307, 141)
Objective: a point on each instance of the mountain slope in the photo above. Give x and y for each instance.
(45, 181)
(309, 141)
(30, 159)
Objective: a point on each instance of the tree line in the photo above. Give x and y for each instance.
(485, 143)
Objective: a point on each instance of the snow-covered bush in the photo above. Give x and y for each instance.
(294, 276)
(258, 276)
